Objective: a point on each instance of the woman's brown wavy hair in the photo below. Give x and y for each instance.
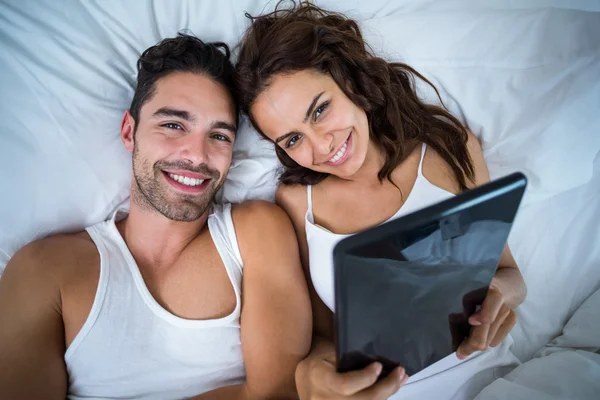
(307, 37)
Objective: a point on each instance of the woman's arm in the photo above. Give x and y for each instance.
(507, 291)
(508, 278)
(509, 281)
(316, 375)
(293, 200)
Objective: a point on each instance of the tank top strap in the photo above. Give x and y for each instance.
(223, 232)
(309, 197)
(420, 170)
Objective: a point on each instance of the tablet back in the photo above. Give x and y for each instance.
(405, 289)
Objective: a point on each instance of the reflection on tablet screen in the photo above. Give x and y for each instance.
(413, 311)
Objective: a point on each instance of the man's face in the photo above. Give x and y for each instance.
(182, 145)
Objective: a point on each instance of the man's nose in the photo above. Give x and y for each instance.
(195, 149)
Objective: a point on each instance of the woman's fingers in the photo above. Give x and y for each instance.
(492, 303)
(477, 341)
(509, 323)
(329, 357)
(386, 387)
(350, 383)
(486, 335)
(495, 326)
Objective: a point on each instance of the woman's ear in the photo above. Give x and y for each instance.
(349, 86)
(128, 131)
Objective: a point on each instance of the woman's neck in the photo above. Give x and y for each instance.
(369, 170)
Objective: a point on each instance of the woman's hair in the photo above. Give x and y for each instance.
(306, 37)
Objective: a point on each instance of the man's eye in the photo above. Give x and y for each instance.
(172, 125)
(221, 137)
(320, 110)
(292, 141)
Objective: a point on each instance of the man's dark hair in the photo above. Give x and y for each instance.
(184, 53)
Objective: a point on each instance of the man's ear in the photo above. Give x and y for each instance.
(127, 131)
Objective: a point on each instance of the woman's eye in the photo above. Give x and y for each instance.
(292, 141)
(172, 125)
(221, 137)
(320, 110)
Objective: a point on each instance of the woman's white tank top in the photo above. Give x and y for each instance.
(321, 241)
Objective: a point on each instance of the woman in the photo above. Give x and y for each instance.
(355, 140)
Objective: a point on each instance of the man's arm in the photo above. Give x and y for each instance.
(276, 317)
(32, 342)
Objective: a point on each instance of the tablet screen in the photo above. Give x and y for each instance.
(407, 296)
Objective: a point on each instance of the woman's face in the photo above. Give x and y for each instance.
(308, 115)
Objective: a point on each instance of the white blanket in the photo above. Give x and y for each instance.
(566, 368)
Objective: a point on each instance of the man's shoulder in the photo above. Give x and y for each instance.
(56, 255)
(260, 222)
(258, 211)
(58, 247)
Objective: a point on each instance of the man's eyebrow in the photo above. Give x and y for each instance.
(311, 107)
(224, 125)
(171, 112)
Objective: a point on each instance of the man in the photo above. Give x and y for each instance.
(153, 306)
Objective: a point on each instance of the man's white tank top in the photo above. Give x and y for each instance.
(449, 378)
(131, 347)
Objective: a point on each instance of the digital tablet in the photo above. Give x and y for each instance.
(404, 290)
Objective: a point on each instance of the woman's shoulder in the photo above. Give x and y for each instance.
(437, 171)
(480, 169)
(291, 193)
(293, 199)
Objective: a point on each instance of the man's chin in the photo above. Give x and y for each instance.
(185, 208)
(184, 214)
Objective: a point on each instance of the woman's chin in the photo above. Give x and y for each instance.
(344, 171)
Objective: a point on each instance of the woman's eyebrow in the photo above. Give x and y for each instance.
(309, 111)
(287, 135)
(312, 106)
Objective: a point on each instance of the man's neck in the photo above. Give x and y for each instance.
(154, 240)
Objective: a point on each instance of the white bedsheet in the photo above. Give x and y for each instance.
(566, 368)
(556, 242)
(524, 75)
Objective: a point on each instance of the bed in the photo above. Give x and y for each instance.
(523, 75)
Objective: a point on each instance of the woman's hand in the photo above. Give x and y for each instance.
(316, 378)
(490, 325)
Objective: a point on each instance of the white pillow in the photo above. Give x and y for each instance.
(526, 82)
(67, 75)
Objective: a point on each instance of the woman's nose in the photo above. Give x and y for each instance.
(323, 143)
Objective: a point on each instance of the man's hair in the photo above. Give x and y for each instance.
(184, 53)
